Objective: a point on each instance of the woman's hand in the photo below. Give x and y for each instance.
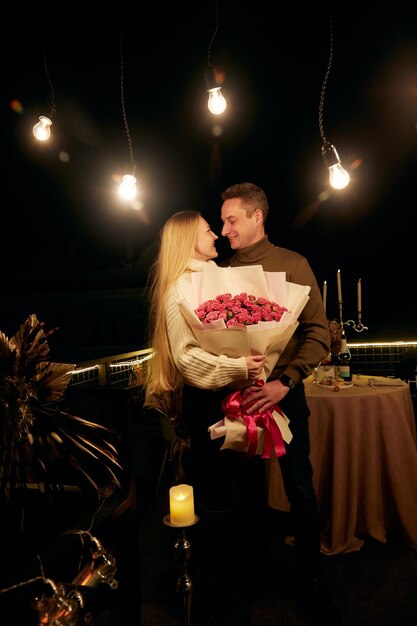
(255, 365)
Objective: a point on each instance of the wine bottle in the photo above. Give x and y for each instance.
(343, 359)
(325, 369)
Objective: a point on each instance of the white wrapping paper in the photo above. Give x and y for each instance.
(268, 338)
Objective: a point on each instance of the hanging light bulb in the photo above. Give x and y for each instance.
(338, 177)
(216, 101)
(128, 188)
(42, 130)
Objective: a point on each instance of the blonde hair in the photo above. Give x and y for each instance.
(178, 237)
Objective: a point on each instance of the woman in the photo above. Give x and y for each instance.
(189, 383)
(187, 244)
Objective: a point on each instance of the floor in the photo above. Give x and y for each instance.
(375, 586)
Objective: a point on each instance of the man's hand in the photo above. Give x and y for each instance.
(263, 397)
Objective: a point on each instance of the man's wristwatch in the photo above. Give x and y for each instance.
(287, 381)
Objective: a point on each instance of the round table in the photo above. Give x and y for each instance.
(364, 457)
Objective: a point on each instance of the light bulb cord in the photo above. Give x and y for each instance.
(324, 85)
(213, 36)
(52, 105)
(126, 125)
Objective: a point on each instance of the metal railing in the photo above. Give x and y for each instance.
(125, 370)
(379, 358)
(122, 370)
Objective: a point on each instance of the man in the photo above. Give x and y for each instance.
(243, 213)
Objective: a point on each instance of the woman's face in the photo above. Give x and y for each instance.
(205, 248)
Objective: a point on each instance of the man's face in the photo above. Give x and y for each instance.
(241, 231)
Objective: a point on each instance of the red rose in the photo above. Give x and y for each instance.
(240, 310)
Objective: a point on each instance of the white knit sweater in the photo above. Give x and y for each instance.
(199, 368)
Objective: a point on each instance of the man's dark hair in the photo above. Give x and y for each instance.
(252, 197)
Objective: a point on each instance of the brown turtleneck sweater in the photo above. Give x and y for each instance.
(311, 341)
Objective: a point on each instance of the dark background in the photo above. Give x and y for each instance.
(63, 226)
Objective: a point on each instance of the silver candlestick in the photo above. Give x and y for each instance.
(182, 551)
(358, 326)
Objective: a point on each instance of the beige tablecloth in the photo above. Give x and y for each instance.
(364, 457)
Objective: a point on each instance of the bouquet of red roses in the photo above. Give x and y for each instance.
(238, 311)
(265, 320)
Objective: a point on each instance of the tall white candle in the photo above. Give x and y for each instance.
(181, 505)
(360, 295)
(339, 287)
(325, 295)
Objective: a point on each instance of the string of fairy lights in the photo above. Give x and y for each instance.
(339, 178)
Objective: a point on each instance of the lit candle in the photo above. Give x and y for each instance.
(181, 505)
(325, 294)
(360, 296)
(339, 287)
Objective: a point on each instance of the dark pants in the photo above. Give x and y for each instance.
(297, 475)
(230, 489)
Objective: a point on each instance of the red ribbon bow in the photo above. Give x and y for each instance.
(232, 407)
